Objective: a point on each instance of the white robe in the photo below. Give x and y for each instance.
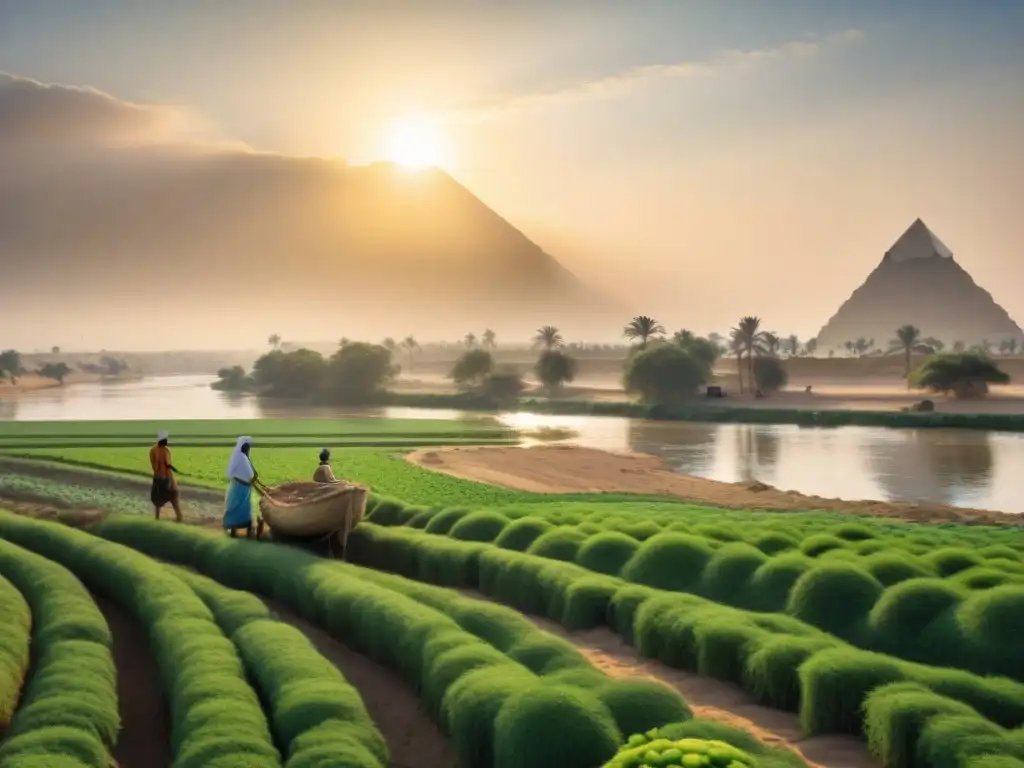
(240, 468)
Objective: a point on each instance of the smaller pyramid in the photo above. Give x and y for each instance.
(920, 283)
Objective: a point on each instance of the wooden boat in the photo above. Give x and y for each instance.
(314, 510)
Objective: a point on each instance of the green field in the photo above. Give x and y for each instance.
(906, 635)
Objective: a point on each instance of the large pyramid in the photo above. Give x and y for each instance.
(920, 283)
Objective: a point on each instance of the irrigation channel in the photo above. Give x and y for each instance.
(949, 467)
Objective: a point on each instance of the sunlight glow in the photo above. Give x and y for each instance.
(415, 141)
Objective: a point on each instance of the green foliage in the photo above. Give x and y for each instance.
(10, 364)
(770, 374)
(502, 387)
(472, 368)
(314, 712)
(562, 543)
(479, 526)
(69, 706)
(964, 374)
(664, 374)
(233, 379)
(301, 373)
(554, 369)
(200, 667)
(359, 372)
(607, 552)
(14, 645)
(459, 652)
(55, 371)
(669, 561)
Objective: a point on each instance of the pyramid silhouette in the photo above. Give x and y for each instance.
(920, 283)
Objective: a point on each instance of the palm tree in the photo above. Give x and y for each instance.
(410, 345)
(683, 337)
(274, 340)
(490, 339)
(907, 341)
(548, 337)
(793, 345)
(752, 341)
(736, 347)
(344, 341)
(772, 344)
(862, 346)
(811, 346)
(643, 328)
(469, 339)
(389, 344)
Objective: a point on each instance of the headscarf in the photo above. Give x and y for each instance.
(240, 467)
(161, 436)
(325, 456)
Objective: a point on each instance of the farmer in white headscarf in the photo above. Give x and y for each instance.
(241, 477)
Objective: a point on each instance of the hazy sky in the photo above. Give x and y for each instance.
(704, 159)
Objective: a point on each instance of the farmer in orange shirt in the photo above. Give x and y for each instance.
(165, 487)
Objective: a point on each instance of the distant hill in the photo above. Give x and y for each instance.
(365, 250)
(919, 282)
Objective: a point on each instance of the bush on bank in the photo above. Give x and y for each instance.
(215, 715)
(69, 706)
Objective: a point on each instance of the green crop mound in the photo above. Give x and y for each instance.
(69, 707)
(14, 646)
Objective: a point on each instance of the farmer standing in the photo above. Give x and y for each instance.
(165, 486)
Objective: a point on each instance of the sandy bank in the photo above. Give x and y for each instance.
(570, 469)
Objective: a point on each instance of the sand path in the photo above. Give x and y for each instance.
(572, 469)
(145, 737)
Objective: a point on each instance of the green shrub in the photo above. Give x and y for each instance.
(893, 567)
(773, 542)
(728, 572)
(520, 534)
(550, 727)
(639, 705)
(852, 532)
(673, 561)
(835, 597)
(895, 716)
(992, 622)
(479, 526)
(199, 666)
(819, 544)
(771, 672)
(607, 552)
(659, 747)
(952, 560)
(717, 532)
(443, 522)
(69, 706)
(981, 577)
(906, 610)
(562, 543)
(14, 645)
(770, 585)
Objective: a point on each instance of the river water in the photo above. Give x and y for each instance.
(957, 467)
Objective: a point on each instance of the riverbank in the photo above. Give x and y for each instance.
(31, 382)
(570, 469)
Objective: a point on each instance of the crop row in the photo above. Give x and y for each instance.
(314, 712)
(14, 645)
(69, 706)
(508, 694)
(945, 608)
(784, 662)
(215, 715)
(642, 519)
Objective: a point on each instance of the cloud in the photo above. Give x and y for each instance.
(33, 113)
(620, 82)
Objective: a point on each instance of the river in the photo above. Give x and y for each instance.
(956, 467)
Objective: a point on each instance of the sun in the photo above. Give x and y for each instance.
(415, 141)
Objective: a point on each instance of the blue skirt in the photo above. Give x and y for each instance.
(238, 506)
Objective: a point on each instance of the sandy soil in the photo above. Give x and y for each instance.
(571, 469)
(720, 701)
(414, 741)
(145, 737)
(31, 383)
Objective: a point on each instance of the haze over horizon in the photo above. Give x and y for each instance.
(696, 161)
